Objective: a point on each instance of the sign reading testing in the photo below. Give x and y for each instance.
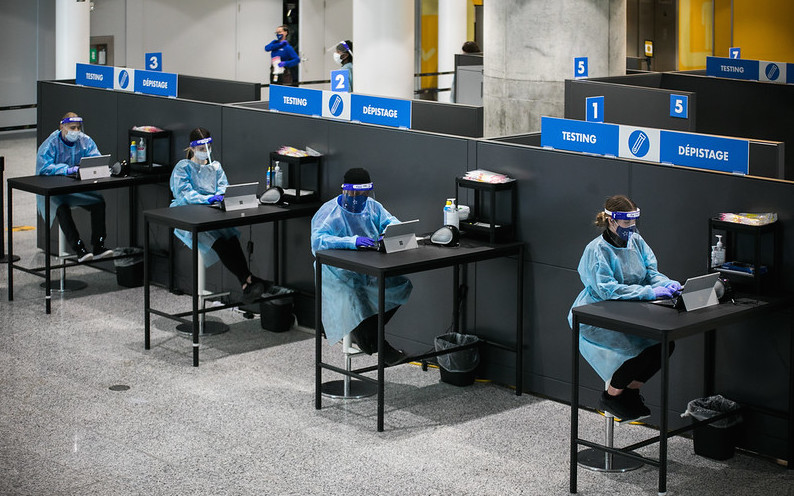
(96, 76)
(751, 70)
(296, 100)
(654, 145)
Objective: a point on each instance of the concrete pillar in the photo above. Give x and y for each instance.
(72, 36)
(529, 47)
(383, 47)
(451, 35)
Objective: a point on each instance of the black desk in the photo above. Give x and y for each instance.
(664, 325)
(200, 218)
(426, 257)
(49, 186)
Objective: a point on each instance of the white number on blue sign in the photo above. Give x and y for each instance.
(679, 106)
(594, 109)
(580, 67)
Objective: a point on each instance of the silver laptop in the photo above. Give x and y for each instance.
(698, 292)
(240, 197)
(400, 236)
(94, 167)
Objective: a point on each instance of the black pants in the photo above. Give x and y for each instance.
(231, 254)
(640, 368)
(366, 332)
(97, 210)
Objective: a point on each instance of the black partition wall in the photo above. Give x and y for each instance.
(559, 194)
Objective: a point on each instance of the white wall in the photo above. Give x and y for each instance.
(322, 26)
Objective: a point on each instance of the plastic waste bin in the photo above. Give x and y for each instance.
(129, 268)
(278, 315)
(718, 439)
(458, 368)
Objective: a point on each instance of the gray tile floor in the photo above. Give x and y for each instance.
(244, 421)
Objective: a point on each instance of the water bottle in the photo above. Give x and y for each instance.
(278, 176)
(133, 152)
(451, 213)
(141, 150)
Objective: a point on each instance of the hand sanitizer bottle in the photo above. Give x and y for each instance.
(718, 253)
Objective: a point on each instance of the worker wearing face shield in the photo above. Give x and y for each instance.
(200, 180)
(620, 265)
(60, 155)
(354, 220)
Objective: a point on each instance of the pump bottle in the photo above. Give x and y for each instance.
(718, 252)
(141, 150)
(451, 214)
(278, 176)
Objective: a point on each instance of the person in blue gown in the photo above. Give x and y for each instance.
(60, 155)
(620, 265)
(199, 180)
(354, 220)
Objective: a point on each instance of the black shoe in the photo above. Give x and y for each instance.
(83, 255)
(253, 290)
(620, 407)
(99, 249)
(391, 355)
(635, 399)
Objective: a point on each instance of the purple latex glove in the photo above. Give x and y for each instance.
(364, 242)
(282, 64)
(215, 199)
(673, 286)
(662, 293)
(72, 170)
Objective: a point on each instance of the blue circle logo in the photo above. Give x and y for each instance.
(639, 143)
(336, 105)
(124, 79)
(772, 72)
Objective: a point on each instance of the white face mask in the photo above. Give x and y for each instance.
(201, 155)
(72, 136)
(337, 58)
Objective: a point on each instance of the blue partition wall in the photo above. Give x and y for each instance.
(559, 194)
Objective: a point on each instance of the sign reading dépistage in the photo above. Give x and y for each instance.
(751, 70)
(654, 145)
(348, 106)
(121, 78)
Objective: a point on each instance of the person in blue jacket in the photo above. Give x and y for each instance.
(354, 220)
(619, 265)
(60, 155)
(200, 180)
(281, 70)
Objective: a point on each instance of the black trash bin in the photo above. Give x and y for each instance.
(718, 439)
(278, 315)
(129, 268)
(458, 368)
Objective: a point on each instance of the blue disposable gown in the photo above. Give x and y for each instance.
(350, 297)
(191, 184)
(53, 158)
(612, 273)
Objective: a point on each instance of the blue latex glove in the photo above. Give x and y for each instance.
(662, 293)
(282, 64)
(72, 170)
(673, 286)
(364, 242)
(215, 199)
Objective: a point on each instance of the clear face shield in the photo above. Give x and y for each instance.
(340, 50)
(354, 196)
(625, 223)
(202, 149)
(72, 128)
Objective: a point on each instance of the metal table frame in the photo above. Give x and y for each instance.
(200, 218)
(49, 186)
(424, 258)
(665, 325)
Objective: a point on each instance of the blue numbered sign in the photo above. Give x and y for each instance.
(154, 61)
(734, 53)
(340, 80)
(594, 111)
(679, 106)
(580, 67)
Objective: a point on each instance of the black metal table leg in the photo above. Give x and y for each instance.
(47, 279)
(318, 319)
(574, 403)
(381, 347)
(146, 291)
(195, 299)
(663, 423)
(520, 323)
(10, 250)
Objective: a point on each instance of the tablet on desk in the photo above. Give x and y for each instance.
(698, 292)
(94, 167)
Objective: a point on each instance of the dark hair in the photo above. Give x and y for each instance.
(284, 27)
(196, 134)
(616, 203)
(471, 47)
(344, 48)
